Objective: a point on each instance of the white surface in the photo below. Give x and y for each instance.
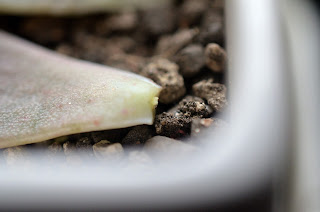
(304, 34)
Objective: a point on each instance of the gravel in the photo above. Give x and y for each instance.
(214, 93)
(215, 57)
(190, 60)
(180, 47)
(165, 73)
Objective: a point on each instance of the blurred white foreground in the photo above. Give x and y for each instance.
(265, 125)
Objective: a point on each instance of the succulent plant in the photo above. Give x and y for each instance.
(71, 7)
(44, 95)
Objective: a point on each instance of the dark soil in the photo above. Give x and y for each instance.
(180, 47)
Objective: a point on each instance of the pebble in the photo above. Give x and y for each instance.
(165, 73)
(125, 21)
(106, 150)
(191, 12)
(190, 60)
(212, 27)
(72, 156)
(172, 126)
(220, 4)
(55, 153)
(98, 49)
(139, 157)
(166, 149)
(159, 20)
(192, 106)
(69, 148)
(84, 143)
(137, 135)
(215, 57)
(132, 63)
(16, 156)
(97, 136)
(55, 148)
(174, 110)
(139, 160)
(169, 45)
(214, 93)
(84, 147)
(200, 124)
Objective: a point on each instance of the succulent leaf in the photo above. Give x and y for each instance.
(44, 95)
(71, 7)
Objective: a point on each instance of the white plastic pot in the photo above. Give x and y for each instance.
(235, 162)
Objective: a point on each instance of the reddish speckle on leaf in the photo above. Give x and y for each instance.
(96, 122)
(125, 112)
